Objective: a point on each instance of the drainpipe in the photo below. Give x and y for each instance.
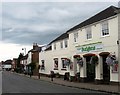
(119, 48)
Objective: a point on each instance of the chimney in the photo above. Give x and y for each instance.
(35, 46)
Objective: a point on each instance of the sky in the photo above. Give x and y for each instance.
(24, 23)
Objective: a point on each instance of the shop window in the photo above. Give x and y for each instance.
(88, 33)
(61, 44)
(76, 37)
(43, 64)
(66, 43)
(105, 29)
(56, 64)
(115, 68)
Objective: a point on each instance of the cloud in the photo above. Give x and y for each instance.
(41, 22)
(10, 50)
(26, 22)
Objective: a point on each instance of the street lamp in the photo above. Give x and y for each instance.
(24, 50)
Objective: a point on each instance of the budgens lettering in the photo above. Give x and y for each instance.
(89, 48)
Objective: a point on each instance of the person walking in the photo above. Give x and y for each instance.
(52, 75)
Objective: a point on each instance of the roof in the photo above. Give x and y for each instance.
(25, 57)
(61, 37)
(48, 48)
(109, 12)
(35, 50)
(8, 62)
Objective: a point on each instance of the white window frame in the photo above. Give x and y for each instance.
(61, 44)
(63, 65)
(54, 46)
(56, 65)
(43, 65)
(66, 43)
(75, 37)
(88, 33)
(105, 29)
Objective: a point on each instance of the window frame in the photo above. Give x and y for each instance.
(75, 37)
(66, 43)
(61, 44)
(63, 65)
(43, 65)
(54, 46)
(88, 33)
(56, 60)
(105, 29)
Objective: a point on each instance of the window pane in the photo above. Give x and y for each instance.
(76, 37)
(63, 64)
(105, 29)
(66, 43)
(88, 33)
(61, 44)
(55, 46)
(56, 63)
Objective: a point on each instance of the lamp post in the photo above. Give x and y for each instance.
(24, 50)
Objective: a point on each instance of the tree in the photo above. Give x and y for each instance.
(18, 60)
(32, 65)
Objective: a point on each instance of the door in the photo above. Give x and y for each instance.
(90, 70)
(106, 71)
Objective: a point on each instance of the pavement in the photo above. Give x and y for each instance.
(112, 89)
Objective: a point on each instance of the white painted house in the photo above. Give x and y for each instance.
(90, 47)
(53, 57)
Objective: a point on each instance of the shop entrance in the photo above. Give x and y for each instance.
(90, 68)
(106, 68)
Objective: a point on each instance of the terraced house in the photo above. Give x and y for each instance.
(89, 49)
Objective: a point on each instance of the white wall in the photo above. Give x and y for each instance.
(29, 59)
(109, 44)
(47, 56)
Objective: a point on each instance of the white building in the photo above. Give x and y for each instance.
(91, 47)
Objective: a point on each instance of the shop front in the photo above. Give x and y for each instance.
(91, 61)
(106, 67)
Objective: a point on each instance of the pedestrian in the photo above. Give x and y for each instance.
(52, 75)
(30, 72)
(39, 67)
(39, 75)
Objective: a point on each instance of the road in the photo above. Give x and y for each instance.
(14, 83)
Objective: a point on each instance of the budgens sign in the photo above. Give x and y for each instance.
(90, 47)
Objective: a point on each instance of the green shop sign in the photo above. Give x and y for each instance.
(90, 47)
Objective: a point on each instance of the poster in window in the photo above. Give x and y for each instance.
(71, 66)
(115, 68)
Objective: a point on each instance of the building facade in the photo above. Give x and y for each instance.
(33, 57)
(91, 50)
(14, 64)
